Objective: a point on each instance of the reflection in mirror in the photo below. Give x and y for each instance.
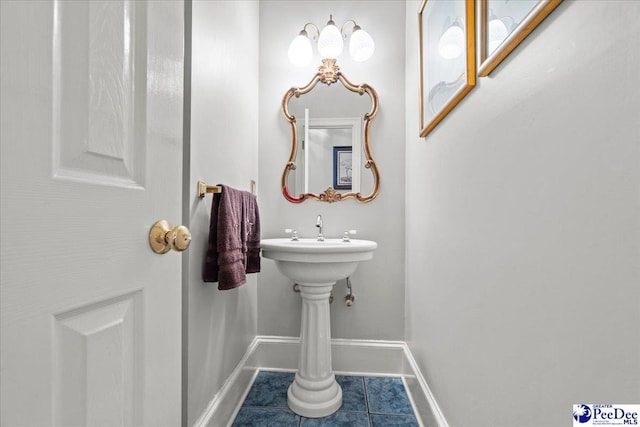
(503, 26)
(328, 153)
(330, 157)
(503, 19)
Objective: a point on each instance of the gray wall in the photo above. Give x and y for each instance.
(221, 324)
(379, 284)
(523, 226)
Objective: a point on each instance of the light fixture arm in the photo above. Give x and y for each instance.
(304, 30)
(354, 28)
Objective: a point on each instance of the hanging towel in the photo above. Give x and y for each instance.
(234, 235)
(252, 237)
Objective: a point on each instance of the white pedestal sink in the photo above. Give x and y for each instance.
(316, 266)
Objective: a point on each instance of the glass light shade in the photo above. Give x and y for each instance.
(451, 44)
(361, 45)
(300, 51)
(330, 42)
(497, 33)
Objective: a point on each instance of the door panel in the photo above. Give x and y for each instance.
(99, 86)
(91, 157)
(97, 368)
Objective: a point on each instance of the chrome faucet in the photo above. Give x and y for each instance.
(319, 225)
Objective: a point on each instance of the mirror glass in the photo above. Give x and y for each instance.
(330, 158)
(329, 154)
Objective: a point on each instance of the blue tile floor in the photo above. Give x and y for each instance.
(367, 402)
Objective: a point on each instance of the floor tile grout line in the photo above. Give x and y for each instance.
(279, 408)
(366, 397)
(366, 401)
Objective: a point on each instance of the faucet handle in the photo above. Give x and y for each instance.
(293, 232)
(346, 237)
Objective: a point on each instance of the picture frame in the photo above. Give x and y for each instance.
(504, 25)
(447, 58)
(342, 167)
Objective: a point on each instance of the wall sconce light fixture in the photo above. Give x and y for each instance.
(331, 43)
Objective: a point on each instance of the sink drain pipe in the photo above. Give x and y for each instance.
(350, 298)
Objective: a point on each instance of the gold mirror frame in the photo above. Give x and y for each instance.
(329, 73)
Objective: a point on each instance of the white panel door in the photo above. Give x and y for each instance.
(91, 139)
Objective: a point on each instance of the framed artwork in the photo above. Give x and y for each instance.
(504, 24)
(447, 57)
(342, 168)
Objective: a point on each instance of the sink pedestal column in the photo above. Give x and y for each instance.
(315, 393)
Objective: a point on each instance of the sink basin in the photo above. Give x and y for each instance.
(310, 261)
(316, 266)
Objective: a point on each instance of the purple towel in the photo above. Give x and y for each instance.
(251, 242)
(234, 220)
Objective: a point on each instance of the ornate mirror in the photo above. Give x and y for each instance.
(330, 153)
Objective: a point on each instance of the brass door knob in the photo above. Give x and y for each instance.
(163, 237)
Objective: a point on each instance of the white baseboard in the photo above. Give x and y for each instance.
(353, 357)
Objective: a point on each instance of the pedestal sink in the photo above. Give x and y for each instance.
(316, 266)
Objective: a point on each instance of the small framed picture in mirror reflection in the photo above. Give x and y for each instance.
(342, 168)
